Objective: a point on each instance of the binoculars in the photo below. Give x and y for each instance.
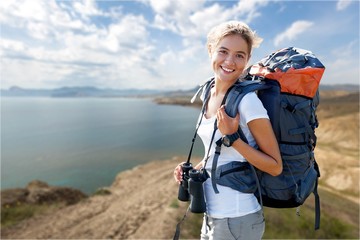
(191, 188)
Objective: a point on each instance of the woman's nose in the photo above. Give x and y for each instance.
(230, 59)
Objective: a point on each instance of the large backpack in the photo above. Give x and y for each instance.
(287, 84)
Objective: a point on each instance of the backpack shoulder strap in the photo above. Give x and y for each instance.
(204, 89)
(231, 101)
(238, 91)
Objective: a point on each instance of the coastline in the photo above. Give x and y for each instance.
(178, 100)
(141, 203)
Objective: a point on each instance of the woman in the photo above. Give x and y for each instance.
(232, 214)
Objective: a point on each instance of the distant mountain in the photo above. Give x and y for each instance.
(88, 91)
(323, 87)
(22, 92)
(344, 87)
(76, 92)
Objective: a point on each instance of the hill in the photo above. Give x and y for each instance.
(142, 202)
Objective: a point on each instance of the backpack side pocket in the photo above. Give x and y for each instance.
(236, 175)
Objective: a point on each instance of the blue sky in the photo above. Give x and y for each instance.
(160, 44)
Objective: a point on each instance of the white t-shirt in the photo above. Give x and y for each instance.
(229, 202)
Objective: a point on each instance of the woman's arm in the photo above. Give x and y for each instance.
(267, 158)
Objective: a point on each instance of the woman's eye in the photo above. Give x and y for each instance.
(222, 51)
(240, 56)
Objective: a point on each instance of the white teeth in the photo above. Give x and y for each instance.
(227, 69)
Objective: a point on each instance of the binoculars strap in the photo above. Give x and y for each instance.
(197, 126)
(177, 231)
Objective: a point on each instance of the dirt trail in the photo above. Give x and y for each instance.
(138, 208)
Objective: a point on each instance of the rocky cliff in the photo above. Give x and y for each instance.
(141, 204)
(38, 192)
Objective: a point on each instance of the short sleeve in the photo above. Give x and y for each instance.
(251, 108)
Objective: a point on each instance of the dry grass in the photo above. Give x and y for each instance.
(337, 151)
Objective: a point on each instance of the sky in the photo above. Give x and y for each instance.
(160, 44)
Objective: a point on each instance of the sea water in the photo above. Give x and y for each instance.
(85, 142)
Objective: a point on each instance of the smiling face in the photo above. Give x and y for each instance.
(229, 58)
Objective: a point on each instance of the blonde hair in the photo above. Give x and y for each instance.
(222, 30)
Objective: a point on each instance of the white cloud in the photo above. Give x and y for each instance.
(21, 10)
(30, 74)
(175, 15)
(205, 19)
(25, 9)
(41, 19)
(87, 8)
(347, 50)
(342, 65)
(81, 43)
(163, 24)
(183, 69)
(60, 46)
(292, 32)
(342, 4)
(194, 18)
(11, 45)
(130, 32)
(250, 8)
(64, 46)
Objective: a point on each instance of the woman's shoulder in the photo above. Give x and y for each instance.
(250, 98)
(250, 107)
